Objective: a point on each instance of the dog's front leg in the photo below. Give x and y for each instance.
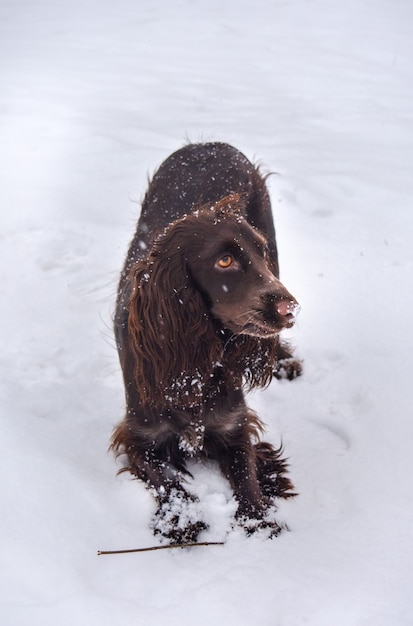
(239, 465)
(178, 517)
(161, 467)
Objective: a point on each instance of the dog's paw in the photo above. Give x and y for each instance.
(288, 369)
(266, 525)
(178, 518)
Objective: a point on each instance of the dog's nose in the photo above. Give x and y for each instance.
(284, 305)
(286, 308)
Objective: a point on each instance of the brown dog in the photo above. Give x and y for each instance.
(199, 311)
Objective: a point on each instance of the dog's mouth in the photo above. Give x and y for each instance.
(265, 324)
(266, 321)
(264, 329)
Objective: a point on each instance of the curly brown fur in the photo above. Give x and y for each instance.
(199, 311)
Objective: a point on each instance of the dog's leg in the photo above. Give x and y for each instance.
(178, 517)
(239, 464)
(162, 468)
(239, 467)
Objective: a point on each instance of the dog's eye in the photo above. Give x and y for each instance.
(225, 261)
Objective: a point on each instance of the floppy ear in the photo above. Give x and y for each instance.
(174, 342)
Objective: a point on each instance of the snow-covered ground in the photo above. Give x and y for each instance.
(94, 95)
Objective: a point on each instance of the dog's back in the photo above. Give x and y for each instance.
(196, 175)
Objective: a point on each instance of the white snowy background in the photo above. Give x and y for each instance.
(93, 96)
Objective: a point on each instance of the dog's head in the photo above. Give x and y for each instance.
(208, 274)
(228, 261)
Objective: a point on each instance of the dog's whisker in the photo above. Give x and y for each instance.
(251, 315)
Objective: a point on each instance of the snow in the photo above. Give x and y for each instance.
(94, 96)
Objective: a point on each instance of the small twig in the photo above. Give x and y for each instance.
(168, 547)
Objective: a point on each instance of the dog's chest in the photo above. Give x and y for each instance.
(215, 424)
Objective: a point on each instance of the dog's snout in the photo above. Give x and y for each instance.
(282, 304)
(286, 307)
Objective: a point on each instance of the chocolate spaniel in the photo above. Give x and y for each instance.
(199, 311)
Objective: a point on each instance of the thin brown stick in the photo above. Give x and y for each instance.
(168, 547)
